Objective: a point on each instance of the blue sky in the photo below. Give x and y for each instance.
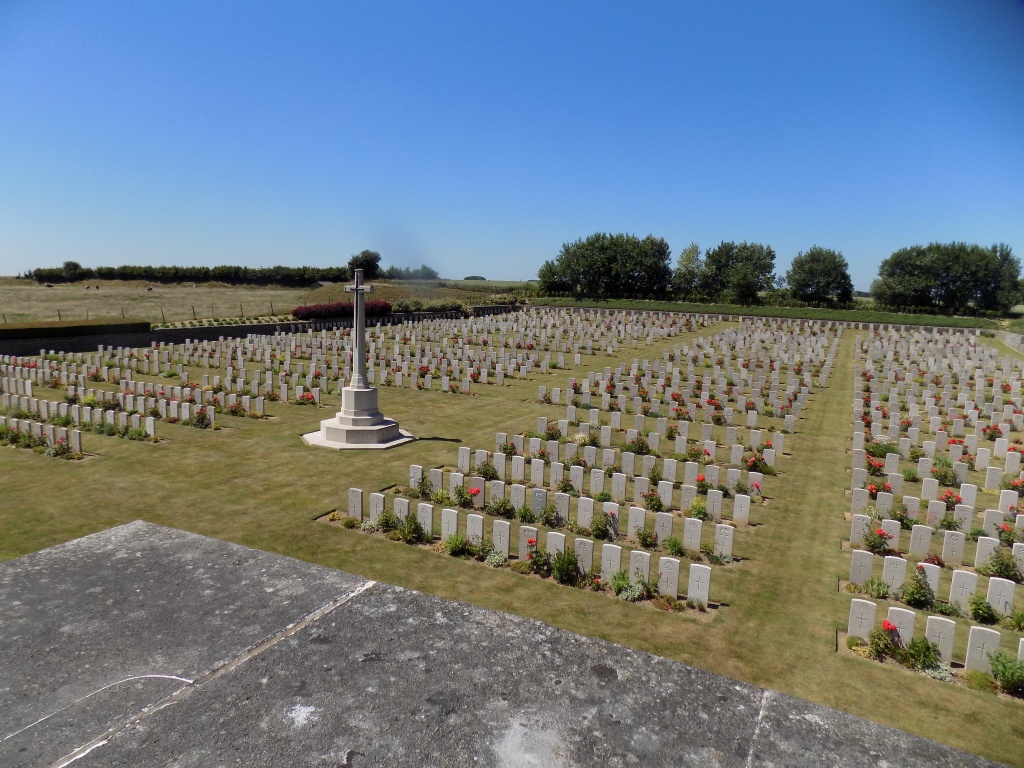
(478, 138)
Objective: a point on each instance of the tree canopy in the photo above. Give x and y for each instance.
(368, 261)
(949, 279)
(606, 266)
(820, 277)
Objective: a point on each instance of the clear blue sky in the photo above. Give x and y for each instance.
(478, 138)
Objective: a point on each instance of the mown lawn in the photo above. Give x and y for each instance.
(255, 483)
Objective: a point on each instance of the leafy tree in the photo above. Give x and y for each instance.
(606, 266)
(688, 274)
(739, 272)
(949, 278)
(368, 261)
(820, 277)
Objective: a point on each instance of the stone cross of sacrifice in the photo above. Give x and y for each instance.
(358, 380)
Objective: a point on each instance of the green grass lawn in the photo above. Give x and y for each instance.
(255, 483)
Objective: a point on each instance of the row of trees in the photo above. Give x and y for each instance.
(954, 278)
(368, 261)
(606, 266)
(950, 279)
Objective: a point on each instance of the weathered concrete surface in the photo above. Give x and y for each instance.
(135, 600)
(389, 677)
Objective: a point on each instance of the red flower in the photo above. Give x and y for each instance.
(700, 478)
(1005, 528)
(881, 532)
(757, 486)
(888, 626)
(474, 491)
(531, 542)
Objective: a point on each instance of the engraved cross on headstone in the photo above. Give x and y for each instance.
(358, 380)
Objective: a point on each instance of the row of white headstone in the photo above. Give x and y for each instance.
(982, 642)
(609, 557)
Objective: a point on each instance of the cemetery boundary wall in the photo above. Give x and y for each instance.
(91, 342)
(1013, 340)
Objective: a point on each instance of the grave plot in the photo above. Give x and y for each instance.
(605, 497)
(934, 493)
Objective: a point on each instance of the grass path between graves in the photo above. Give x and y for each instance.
(256, 484)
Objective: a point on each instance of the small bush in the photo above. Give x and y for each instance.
(525, 515)
(487, 471)
(1002, 565)
(982, 611)
(646, 538)
(501, 508)
(674, 546)
(619, 581)
(1008, 670)
(917, 592)
(457, 545)
(565, 567)
(496, 559)
(876, 588)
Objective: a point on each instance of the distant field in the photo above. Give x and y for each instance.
(464, 291)
(24, 300)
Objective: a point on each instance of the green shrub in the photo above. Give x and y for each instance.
(917, 592)
(565, 567)
(1015, 621)
(388, 521)
(457, 545)
(601, 527)
(982, 611)
(619, 581)
(1008, 670)
(674, 546)
(1001, 565)
(487, 470)
(501, 508)
(646, 538)
(910, 475)
(525, 515)
(876, 588)
(411, 532)
(602, 497)
(949, 523)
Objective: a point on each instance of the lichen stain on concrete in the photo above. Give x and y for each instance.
(301, 714)
(524, 746)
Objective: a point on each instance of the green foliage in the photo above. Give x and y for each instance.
(457, 545)
(388, 521)
(609, 266)
(601, 527)
(368, 261)
(738, 272)
(412, 532)
(917, 593)
(525, 515)
(487, 470)
(565, 567)
(982, 611)
(919, 653)
(1008, 670)
(949, 278)
(1001, 564)
(674, 547)
(646, 538)
(501, 508)
(820, 277)
(619, 581)
(949, 523)
(876, 588)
